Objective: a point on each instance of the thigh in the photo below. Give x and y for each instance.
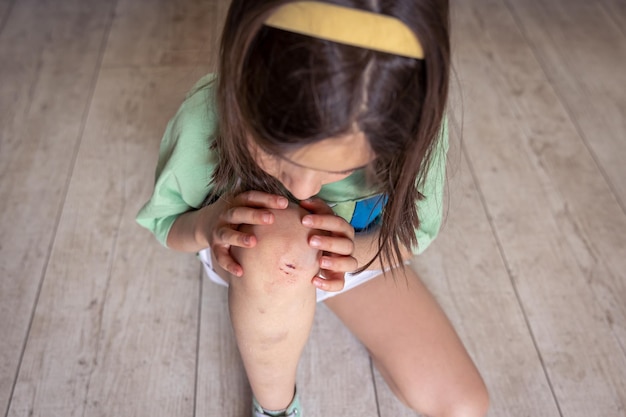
(413, 344)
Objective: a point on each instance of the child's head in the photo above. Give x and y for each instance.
(283, 96)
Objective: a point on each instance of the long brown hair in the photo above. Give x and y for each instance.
(287, 90)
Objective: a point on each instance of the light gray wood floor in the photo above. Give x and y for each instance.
(96, 319)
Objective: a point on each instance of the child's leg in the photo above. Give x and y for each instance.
(272, 305)
(414, 346)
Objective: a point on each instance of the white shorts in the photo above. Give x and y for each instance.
(351, 280)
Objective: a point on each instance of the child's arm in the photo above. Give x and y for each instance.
(216, 226)
(346, 250)
(188, 231)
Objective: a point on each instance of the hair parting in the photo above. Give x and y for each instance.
(283, 91)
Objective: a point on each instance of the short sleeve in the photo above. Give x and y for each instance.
(185, 165)
(430, 208)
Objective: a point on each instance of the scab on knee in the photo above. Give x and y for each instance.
(282, 256)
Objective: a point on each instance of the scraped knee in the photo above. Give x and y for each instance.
(282, 255)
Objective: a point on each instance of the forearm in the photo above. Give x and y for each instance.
(189, 233)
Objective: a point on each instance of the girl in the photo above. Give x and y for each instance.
(308, 168)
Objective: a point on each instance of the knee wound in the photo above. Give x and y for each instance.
(282, 246)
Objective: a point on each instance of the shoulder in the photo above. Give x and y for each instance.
(185, 146)
(197, 117)
(185, 165)
(186, 161)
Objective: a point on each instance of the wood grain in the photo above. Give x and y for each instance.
(99, 320)
(222, 384)
(49, 56)
(615, 11)
(520, 150)
(165, 33)
(5, 10)
(115, 328)
(583, 53)
(335, 375)
(467, 275)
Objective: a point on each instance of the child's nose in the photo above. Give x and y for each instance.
(303, 187)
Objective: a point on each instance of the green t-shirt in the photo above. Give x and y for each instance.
(186, 163)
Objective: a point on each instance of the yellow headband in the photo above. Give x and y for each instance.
(348, 26)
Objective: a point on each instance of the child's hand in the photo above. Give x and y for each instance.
(244, 208)
(337, 246)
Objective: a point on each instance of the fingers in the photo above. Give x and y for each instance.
(223, 258)
(245, 208)
(248, 208)
(261, 199)
(333, 244)
(332, 281)
(227, 236)
(233, 218)
(338, 244)
(330, 223)
(338, 263)
(333, 269)
(247, 215)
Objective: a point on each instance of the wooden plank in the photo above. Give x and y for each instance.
(48, 59)
(333, 377)
(223, 387)
(161, 32)
(466, 273)
(115, 329)
(5, 10)
(540, 185)
(583, 52)
(595, 224)
(147, 349)
(616, 11)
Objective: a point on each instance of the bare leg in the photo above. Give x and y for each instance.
(414, 346)
(272, 306)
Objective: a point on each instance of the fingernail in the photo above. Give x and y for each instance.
(307, 221)
(316, 242)
(267, 218)
(319, 283)
(326, 263)
(282, 201)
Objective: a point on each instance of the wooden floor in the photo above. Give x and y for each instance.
(96, 319)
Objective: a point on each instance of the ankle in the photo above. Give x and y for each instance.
(292, 410)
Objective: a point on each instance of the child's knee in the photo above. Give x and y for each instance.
(282, 257)
(470, 401)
